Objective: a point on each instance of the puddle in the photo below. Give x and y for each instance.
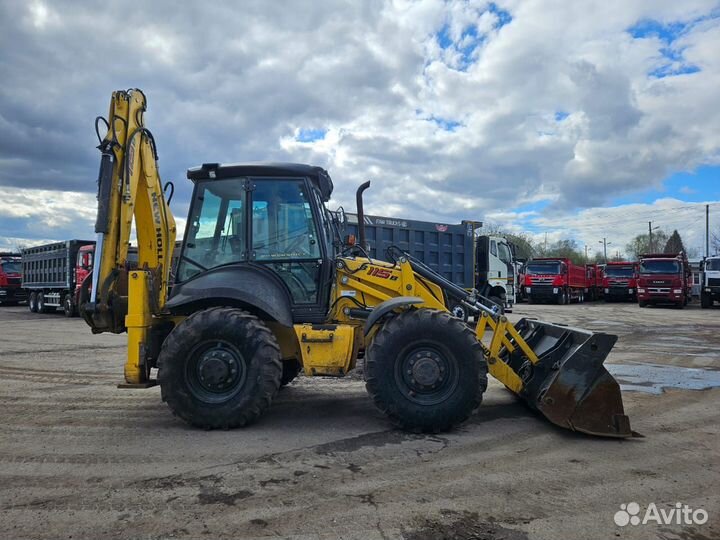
(654, 378)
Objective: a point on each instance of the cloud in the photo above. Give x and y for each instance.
(454, 109)
(618, 224)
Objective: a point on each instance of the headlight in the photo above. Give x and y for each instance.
(641, 290)
(555, 289)
(607, 291)
(630, 291)
(527, 290)
(677, 291)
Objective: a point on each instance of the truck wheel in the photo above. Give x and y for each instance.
(425, 369)
(500, 302)
(459, 311)
(562, 298)
(41, 308)
(32, 302)
(290, 370)
(219, 368)
(69, 306)
(641, 303)
(706, 301)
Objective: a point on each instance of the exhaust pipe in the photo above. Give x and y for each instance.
(361, 213)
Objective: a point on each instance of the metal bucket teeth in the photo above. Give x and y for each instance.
(569, 384)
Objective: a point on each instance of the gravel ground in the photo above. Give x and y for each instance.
(80, 458)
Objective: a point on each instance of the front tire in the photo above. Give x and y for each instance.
(706, 301)
(425, 369)
(69, 306)
(32, 302)
(219, 368)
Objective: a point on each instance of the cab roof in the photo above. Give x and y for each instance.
(317, 175)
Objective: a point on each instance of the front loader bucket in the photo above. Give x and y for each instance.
(569, 384)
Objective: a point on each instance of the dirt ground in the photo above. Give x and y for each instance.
(80, 458)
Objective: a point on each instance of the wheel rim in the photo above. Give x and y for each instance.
(458, 312)
(68, 306)
(426, 373)
(215, 371)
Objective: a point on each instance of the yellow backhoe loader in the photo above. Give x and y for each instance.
(265, 287)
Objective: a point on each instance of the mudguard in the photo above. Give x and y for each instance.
(386, 307)
(250, 286)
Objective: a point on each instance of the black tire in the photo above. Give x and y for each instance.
(32, 302)
(459, 311)
(642, 303)
(290, 370)
(562, 298)
(706, 301)
(443, 351)
(41, 308)
(219, 368)
(69, 306)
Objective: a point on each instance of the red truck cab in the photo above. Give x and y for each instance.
(664, 279)
(11, 291)
(556, 280)
(83, 266)
(620, 281)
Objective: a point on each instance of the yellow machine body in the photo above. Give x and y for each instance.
(556, 369)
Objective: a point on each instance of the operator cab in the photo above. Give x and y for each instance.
(270, 218)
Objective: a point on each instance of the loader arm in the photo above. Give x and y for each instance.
(129, 191)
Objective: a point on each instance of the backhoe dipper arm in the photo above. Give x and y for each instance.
(129, 188)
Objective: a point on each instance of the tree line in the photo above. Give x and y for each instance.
(527, 247)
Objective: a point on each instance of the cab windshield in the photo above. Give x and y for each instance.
(11, 267)
(713, 265)
(550, 267)
(279, 227)
(619, 271)
(651, 266)
(504, 253)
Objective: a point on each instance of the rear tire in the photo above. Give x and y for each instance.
(425, 369)
(69, 306)
(219, 368)
(41, 307)
(459, 311)
(32, 302)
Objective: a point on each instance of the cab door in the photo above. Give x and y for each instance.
(286, 237)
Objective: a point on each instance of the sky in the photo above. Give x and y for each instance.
(580, 120)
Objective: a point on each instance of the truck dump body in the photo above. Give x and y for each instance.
(595, 277)
(554, 279)
(447, 249)
(51, 266)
